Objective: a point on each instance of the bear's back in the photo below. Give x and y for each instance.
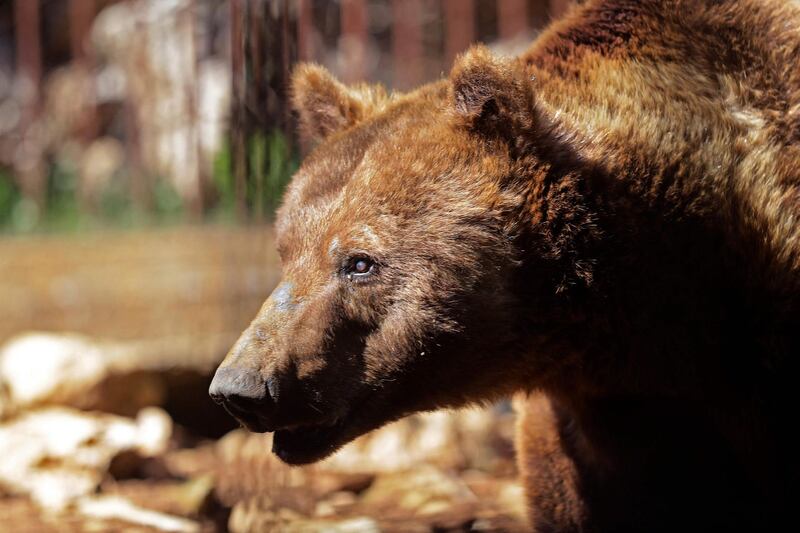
(695, 106)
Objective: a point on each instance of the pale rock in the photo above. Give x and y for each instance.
(116, 508)
(424, 490)
(248, 517)
(451, 440)
(57, 455)
(38, 369)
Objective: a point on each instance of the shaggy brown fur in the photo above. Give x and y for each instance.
(609, 220)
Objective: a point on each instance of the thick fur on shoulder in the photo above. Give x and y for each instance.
(655, 91)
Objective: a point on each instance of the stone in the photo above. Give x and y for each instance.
(58, 455)
(38, 369)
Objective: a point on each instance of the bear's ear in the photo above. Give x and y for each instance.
(490, 94)
(325, 105)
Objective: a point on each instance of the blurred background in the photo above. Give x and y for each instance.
(144, 147)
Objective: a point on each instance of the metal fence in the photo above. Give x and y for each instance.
(180, 106)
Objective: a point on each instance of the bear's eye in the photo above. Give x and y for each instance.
(359, 267)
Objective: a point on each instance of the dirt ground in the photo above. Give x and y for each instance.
(165, 305)
(185, 281)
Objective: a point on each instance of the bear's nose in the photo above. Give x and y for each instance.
(240, 390)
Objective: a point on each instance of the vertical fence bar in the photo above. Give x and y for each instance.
(459, 27)
(194, 195)
(353, 41)
(512, 18)
(538, 13)
(262, 144)
(81, 13)
(260, 49)
(28, 44)
(262, 110)
(28, 165)
(279, 141)
(285, 67)
(199, 51)
(239, 111)
(305, 31)
(559, 7)
(140, 182)
(407, 43)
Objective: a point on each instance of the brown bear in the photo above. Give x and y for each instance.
(608, 223)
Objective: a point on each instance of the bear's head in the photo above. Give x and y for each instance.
(400, 241)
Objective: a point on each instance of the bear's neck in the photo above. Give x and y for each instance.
(636, 297)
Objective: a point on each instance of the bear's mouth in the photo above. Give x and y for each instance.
(301, 444)
(309, 443)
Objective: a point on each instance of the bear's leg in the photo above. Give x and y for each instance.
(632, 464)
(549, 476)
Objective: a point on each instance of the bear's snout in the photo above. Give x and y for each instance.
(263, 401)
(246, 395)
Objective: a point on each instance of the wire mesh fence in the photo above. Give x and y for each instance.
(152, 111)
